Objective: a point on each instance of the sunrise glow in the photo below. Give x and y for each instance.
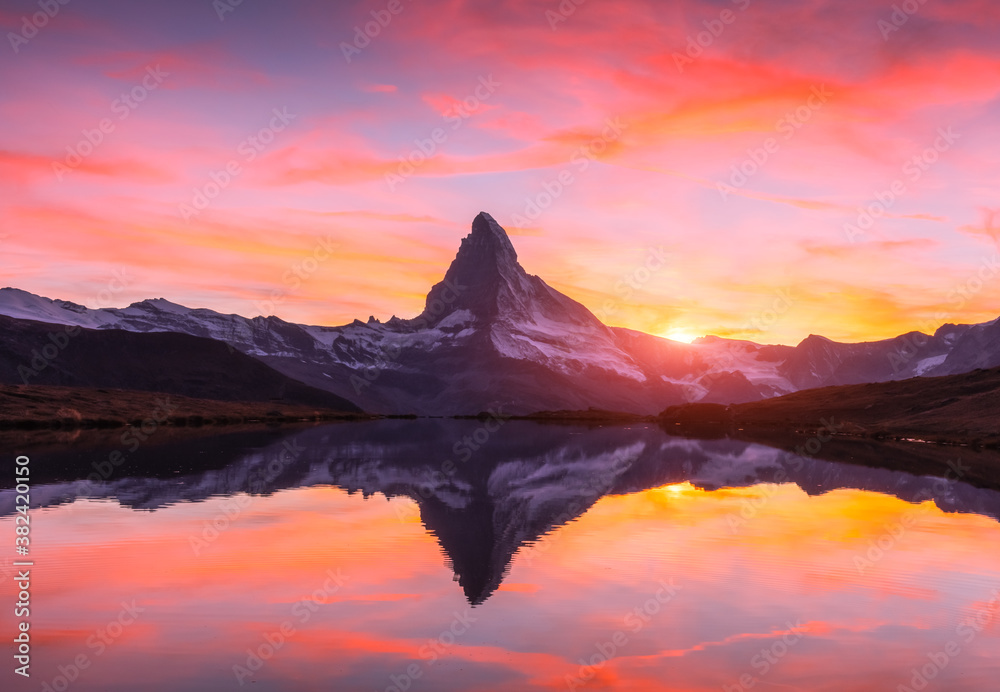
(680, 334)
(400, 579)
(801, 168)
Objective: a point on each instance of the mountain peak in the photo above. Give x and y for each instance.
(487, 232)
(161, 305)
(487, 245)
(815, 339)
(485, 267)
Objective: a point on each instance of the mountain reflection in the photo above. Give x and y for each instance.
(485, 490)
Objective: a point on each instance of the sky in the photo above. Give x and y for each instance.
(747, 168)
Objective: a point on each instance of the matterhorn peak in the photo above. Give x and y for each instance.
(487, 248)
(485, 268)
(486, 232)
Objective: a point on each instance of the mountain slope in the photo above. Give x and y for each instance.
(35, 353)
(951, 408)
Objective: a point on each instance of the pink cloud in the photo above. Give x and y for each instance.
(202, 66)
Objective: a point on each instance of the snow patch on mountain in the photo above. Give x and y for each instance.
(928, 363)
(459, 318)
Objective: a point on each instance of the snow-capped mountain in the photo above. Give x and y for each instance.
(491, 335)
(164, 362)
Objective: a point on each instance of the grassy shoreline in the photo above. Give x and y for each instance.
(41, 407)
(959, 410)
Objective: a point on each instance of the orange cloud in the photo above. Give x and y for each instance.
(990, 228)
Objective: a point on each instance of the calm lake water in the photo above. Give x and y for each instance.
(405, 556)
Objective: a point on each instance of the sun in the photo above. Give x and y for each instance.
(680, 334)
